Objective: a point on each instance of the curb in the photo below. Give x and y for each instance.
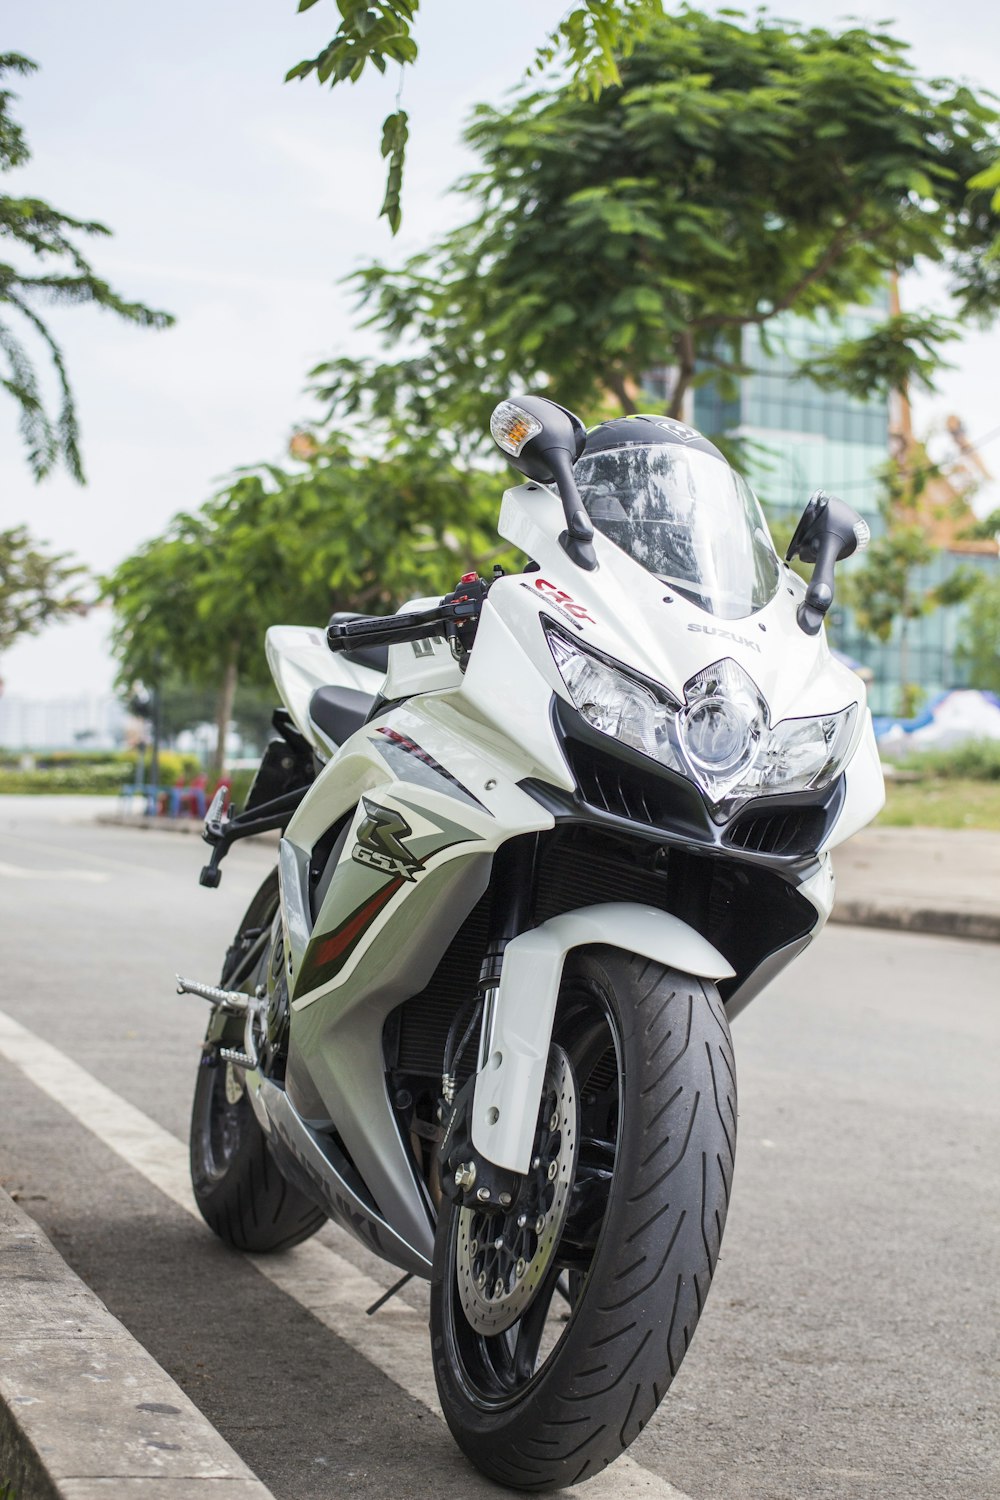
(141, 820)
(85, 1412)
(980, 926)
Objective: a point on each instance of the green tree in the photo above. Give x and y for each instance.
(738, 170)
(885, 588)
(986, 529)
(979, 647)
(373, 33)
(191, 605)
(280, 546)
(36, 586)
(48, 237)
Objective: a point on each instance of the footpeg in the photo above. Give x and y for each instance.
(236, 1057)
(234, 1001)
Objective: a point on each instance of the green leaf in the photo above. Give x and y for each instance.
(395, 133)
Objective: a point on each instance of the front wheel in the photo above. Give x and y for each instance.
(557, 1327)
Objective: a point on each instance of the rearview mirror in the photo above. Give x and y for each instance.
(828, 531)
(544, 440)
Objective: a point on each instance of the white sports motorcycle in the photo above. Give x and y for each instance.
(542, 840)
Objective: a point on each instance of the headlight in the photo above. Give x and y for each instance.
(616, 703)
(719, 737)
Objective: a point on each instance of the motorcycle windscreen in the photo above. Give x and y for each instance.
(688, 518)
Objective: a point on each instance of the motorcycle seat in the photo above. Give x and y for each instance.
(339, 711)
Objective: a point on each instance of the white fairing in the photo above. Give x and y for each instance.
(421, 666)
(510, 1083)
(630, 615)
(450, 757)
(622, 609)
(300, 662)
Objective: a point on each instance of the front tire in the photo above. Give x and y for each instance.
(546, 1404)
(237, 1185)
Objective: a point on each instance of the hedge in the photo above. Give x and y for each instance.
(98, 774)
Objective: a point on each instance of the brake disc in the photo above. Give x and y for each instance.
(501, 1259)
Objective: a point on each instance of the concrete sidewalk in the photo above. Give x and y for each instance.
(940, 880)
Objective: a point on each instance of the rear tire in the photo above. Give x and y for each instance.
(543, 1423)
(237, 1185)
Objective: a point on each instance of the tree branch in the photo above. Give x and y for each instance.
(840, 242)
(619, 388)
(684, 345)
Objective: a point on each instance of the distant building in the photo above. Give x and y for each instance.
(86, 723)
(798, 438)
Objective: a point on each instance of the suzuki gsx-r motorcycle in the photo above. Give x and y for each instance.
(541, 840)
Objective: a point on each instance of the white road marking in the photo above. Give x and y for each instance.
(21, 872)
(325, 1283)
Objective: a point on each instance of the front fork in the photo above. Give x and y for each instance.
(495, 1118)
(468, 1177)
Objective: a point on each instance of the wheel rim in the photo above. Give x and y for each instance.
(498, 1368)
(502, 1259)
(222, 1119)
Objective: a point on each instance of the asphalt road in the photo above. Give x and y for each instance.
(848, 1349)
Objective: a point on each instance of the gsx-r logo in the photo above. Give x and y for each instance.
(380, 842)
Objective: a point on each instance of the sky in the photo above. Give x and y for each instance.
(239, 203)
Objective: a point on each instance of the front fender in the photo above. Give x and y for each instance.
(509, 1084)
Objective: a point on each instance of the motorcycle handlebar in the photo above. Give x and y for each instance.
(392, 630)
(385, 630)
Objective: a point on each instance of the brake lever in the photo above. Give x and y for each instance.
(387, 630)
(456, 615)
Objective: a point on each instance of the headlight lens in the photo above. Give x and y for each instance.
(719, 738)
(616, 703)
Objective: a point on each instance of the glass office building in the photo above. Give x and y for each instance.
(797, 438)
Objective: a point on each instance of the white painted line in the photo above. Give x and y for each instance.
(21, 872)
(325, 1283)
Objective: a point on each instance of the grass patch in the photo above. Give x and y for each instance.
(937, 802)
(975, 760)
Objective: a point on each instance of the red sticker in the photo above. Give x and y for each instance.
(564, 601)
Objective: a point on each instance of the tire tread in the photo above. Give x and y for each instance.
(655, 1271)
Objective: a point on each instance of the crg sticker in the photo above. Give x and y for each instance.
(563, 602)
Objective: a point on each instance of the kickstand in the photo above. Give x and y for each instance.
(398, 1287)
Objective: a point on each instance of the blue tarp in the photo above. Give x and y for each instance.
(882, 723)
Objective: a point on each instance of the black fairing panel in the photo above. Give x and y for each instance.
(745, 911)
(636, 831)
(623, 788)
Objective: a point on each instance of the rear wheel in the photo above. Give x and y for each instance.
(557, 1327)
(237, 1186)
